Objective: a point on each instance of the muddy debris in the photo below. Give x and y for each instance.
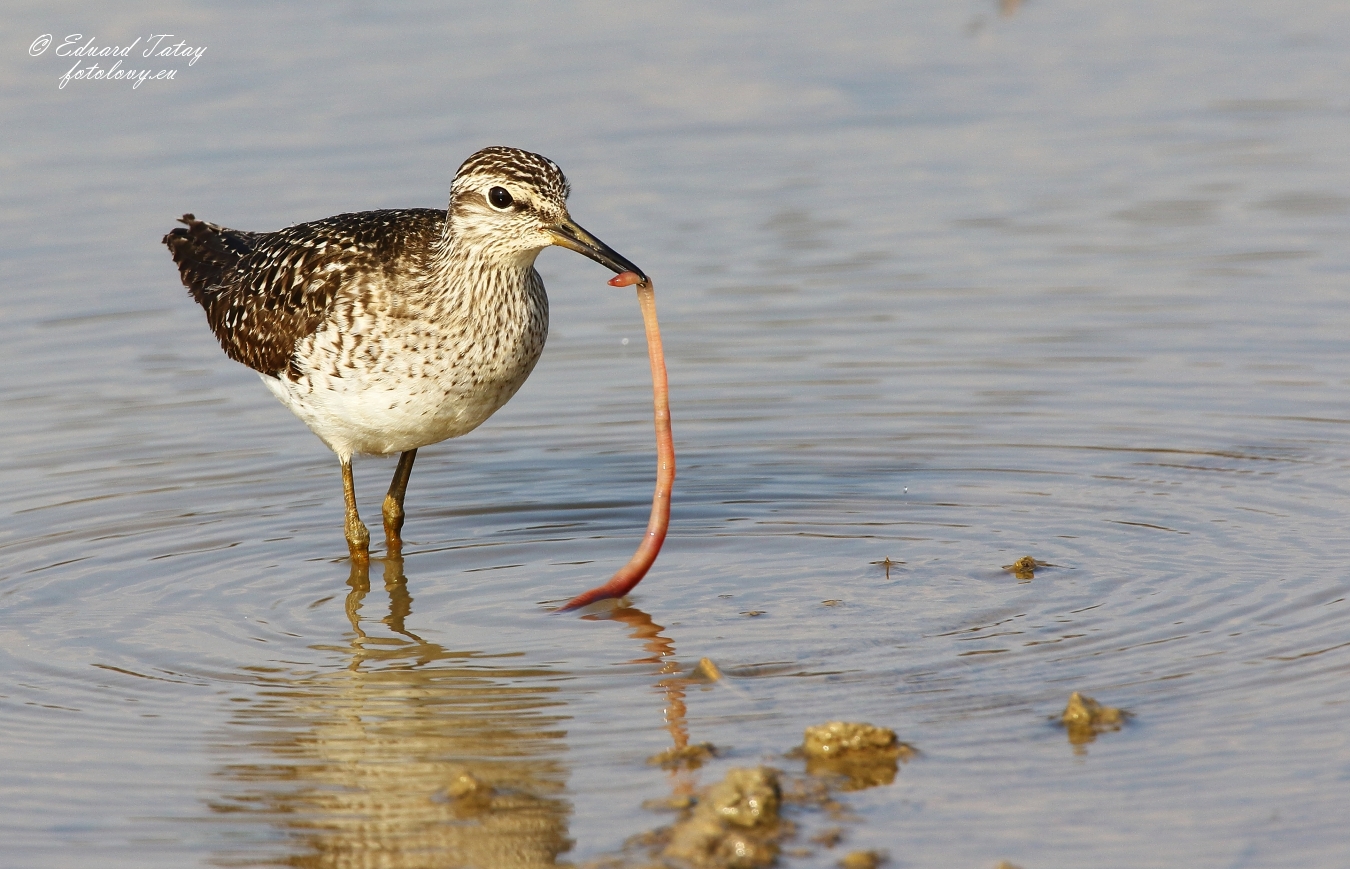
(863, 754)
(465, 785)
(751, 819)
(842, 738)
(734, 825)
(746, 797)
(1026, 567)
(706, 670)
(1084, 718)
(684, 757)
(753, 613)
(469, 795)
(833, 602)
(863, 860)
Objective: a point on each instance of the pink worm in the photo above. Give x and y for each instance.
(636, 568)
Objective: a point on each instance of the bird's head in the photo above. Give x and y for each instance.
(511, 204)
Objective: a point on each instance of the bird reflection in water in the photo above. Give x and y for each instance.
(367, 766)
(414, 755)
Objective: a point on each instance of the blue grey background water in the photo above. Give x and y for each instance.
(938, 284)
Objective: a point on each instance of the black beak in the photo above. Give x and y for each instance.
(567, 234)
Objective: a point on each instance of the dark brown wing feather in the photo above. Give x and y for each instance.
(265, 291)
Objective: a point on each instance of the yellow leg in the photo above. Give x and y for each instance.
(358, 536)
(393, 502)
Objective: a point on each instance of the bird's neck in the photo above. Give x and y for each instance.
(465, 268)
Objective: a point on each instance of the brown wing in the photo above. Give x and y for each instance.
(263, 292)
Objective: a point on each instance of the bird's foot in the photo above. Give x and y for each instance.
(358, 540)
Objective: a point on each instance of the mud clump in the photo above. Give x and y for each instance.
(1025, 567)
(863, 754)
(735, 824)
(465, 785)
(706, 670)
(754, 817)
(843, 739)
(1084, 718)
(469, 795)
(746, 797)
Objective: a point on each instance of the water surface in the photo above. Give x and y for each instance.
(939, 286)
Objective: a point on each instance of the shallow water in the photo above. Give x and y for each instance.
(938, 285)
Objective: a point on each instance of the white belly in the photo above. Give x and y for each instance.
(380, 420)
(408, 387)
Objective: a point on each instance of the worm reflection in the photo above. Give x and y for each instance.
(673, 683)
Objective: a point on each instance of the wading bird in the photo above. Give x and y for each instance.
(386, 331)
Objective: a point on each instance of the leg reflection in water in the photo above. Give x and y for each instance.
(412, 755)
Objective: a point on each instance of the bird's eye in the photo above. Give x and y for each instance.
(500, 199)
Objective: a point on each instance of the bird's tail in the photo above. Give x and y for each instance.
(205, 254)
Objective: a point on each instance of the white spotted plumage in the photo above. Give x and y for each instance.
(386, 331)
